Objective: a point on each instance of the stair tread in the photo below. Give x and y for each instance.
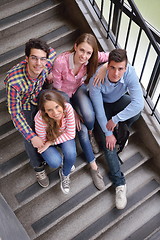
(14, 6)
(25, 14)
(80, 198)
(147, 229)
(94, 209)
(112, 216)
(49, 27)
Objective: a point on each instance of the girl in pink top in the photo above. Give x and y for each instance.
(70, 74)
(55, 125)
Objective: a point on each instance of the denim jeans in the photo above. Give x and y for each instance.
(111, 109)
(54, 159)
(83, 105)
(85, 143)
(36, 159)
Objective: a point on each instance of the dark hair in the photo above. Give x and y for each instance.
(118, 55)
(52, 130)
(93, 61)
(38, 44)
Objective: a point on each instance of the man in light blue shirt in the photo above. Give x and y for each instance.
(118, 99)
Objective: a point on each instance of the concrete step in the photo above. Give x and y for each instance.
(81, 194)
(49, 30)
(88, 213)
(111, 218)
(10, 7)
(28, 17)
(11, 146)
(151, 227)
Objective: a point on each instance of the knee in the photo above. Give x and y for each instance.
(53, 161)
(71, 154)
(83, 133)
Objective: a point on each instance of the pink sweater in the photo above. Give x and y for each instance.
(63, 76)
(67, 128)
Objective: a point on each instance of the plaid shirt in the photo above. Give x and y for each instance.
(22, 91)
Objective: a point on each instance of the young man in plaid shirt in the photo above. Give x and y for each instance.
(23, 84)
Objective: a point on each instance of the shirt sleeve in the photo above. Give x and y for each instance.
(70, 128)
(97, 101)
(18, 118)
(51, 58)
(103, 57)
(135, 92)
(40, 126)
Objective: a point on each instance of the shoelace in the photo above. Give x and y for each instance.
(119, 191)
(66, 181)
(41, 175)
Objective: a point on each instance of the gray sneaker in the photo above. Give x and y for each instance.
(97, 179)
(42, 178)
(94, 144)
(65, 181)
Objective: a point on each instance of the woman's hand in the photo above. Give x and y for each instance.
(78, 120)
(99, 78)
(44, 147)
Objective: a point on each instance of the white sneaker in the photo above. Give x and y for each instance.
(121, 199)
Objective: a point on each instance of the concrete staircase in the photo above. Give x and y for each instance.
(86, 213)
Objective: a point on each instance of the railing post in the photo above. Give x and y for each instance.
(116, 15)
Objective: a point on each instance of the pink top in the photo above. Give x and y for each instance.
(67, 128)
(63, 76)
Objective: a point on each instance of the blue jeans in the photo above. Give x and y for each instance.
(85, 143)
(112, 159)
(36, 159)
(54, 159)
(83, 105)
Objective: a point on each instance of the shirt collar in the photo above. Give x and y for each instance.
(113, 84)
(71, 61)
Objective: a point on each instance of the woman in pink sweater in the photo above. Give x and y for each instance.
(55, 125)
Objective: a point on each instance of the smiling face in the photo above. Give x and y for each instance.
(83, 52)
(116, 70)
(54, 110)
(36, 62)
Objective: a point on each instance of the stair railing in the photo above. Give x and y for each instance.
(119, 18)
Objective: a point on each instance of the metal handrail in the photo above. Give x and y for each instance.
(112, 27)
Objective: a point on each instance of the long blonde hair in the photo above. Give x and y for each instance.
(53, 129)
(93, 61)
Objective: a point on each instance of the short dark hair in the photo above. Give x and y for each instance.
(118, 55)
(38, 44)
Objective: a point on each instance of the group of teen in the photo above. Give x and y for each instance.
(86, 86)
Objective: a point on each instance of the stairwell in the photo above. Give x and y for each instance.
(86, 213)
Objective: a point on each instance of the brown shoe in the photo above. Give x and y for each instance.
(42, 178)
(97, 179)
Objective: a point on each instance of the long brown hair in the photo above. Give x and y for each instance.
(93, 61)
(53, 129)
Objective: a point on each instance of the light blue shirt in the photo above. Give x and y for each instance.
(111, 92)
